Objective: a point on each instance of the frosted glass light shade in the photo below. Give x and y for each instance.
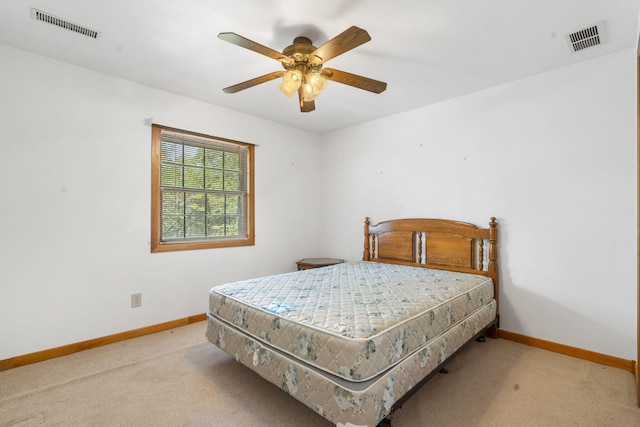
(317, 82)
(314, 86)
(291, 81)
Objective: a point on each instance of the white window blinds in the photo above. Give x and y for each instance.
(203, 188)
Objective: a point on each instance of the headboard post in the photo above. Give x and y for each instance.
(493, 250)
(493, 255)
(366, 255)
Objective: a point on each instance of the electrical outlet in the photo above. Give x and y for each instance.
(136, 300)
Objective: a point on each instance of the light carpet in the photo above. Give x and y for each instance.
(177, 378)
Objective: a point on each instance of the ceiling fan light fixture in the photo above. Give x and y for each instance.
(307, 93)
(316, 82)
(291, 82)
(286, 91)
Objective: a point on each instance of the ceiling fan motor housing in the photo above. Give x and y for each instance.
(299, 51)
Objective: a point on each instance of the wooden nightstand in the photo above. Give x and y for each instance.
(307, 263)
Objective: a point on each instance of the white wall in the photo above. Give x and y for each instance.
(553, 157)
(75, 205)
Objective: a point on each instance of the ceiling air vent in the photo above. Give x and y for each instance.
(587, 37)
(39, 15)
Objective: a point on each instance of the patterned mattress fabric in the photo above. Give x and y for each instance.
(340, 401)
(352, 320)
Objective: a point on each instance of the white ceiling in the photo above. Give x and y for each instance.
(426, 50)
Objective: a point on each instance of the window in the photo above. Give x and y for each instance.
(201, 191)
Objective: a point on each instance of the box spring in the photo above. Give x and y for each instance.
(363, 403)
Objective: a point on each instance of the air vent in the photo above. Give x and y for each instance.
(39, 15)
(587, 37)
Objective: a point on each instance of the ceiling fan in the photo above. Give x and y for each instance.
(303, 64)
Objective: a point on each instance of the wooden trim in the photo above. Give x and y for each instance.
(65, 350)
(206, 243)
(592, 356)
(155, 186)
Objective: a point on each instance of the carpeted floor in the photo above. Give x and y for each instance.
(176, 378)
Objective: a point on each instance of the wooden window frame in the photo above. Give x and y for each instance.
(157, 244)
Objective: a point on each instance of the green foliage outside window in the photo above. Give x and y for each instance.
(201, 191)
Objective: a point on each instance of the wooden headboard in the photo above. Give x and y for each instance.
(434, 243)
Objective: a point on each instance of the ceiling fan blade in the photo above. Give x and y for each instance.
(354, 80)
(256, 47)
(253, 82)
(343, 42)
(305, 106)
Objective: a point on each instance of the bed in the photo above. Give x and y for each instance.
(352, 341)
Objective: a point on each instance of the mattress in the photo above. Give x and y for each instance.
(353, 321)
